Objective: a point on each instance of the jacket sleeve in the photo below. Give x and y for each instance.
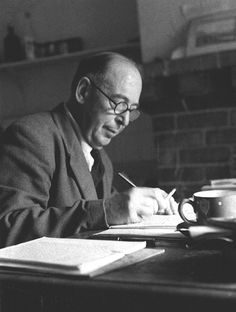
(27, 166)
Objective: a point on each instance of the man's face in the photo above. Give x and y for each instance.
(100, 124)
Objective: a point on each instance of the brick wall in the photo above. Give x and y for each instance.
(194, 128)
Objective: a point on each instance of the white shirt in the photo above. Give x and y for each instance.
(86, 148)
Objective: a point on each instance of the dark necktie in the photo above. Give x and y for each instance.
(97, 172)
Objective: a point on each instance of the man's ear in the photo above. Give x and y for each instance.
(82, 89)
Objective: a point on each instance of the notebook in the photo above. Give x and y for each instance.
(156, 230)
(66, 255)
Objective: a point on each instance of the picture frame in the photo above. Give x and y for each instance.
(211, 34)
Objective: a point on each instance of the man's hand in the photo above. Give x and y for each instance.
(137, 203)
(170, 205)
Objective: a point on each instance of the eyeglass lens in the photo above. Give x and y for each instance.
(123, 107)
(119, 108)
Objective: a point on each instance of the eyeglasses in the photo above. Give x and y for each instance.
(121, 107)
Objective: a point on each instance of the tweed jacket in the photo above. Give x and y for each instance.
(46, 188)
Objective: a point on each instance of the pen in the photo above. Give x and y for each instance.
(131, 183)
(171, 193)
(122, 175)
(126, 179)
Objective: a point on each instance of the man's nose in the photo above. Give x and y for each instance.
(124, 118)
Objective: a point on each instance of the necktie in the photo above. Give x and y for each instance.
(97, 172)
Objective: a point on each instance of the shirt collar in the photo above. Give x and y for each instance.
(86, 148)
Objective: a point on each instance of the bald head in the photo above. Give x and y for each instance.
(98, 66)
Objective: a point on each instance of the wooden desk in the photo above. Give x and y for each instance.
(180, 279)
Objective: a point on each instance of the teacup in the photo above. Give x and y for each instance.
(208, 204)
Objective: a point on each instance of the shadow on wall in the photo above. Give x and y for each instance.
(133, 152)
(141, 173)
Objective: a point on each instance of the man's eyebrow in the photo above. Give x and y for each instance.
(120, 96)
(124, 98)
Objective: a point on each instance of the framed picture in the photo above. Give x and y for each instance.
(212, 34)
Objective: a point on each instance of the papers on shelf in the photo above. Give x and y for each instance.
(66, 255)
(221, 184)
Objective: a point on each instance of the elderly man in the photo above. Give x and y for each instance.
(55, 177)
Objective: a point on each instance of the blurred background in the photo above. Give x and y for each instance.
(186, 136)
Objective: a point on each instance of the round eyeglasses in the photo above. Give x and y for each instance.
(119, 108)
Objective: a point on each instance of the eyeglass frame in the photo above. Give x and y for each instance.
(117, 104)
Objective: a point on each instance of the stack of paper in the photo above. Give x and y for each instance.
(65, 255)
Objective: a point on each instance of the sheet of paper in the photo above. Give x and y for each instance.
(153, 222)
(142, 232)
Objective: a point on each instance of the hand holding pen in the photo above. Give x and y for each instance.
(166, 206)
(137, 203)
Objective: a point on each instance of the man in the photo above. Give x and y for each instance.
(47, 183)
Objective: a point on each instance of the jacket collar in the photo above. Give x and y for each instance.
(74, 152)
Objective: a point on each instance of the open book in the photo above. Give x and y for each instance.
(66, 255)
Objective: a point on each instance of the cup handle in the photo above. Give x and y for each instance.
(180, 210)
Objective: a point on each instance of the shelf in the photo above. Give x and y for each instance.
(192, 64)
(125, 48)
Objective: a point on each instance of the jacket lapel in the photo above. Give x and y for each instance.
(105, 179)
(75, 154)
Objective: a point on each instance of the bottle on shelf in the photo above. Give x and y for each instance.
(13, 50)
(29, 45)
